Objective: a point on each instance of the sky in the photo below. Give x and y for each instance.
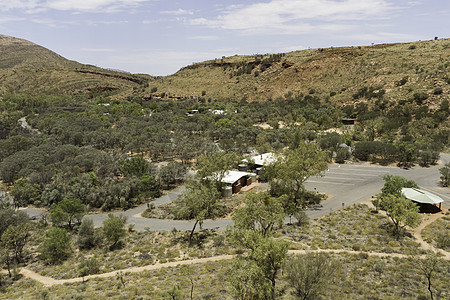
(158, 37)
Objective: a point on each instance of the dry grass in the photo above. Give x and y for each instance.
(438, 233)
(356, 227)
(339, 70)
(358, 277)
(139, 249)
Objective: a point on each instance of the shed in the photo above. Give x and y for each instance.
(261, 160)
(421, 196)
(238, 179)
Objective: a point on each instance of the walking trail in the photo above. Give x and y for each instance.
(48, 281)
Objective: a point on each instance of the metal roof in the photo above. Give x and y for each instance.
(232, 176)
(421, 196)
(263, 159)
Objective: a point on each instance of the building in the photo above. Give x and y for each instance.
(255, 163)
(235, 180)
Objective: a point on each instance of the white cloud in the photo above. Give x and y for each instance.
(31, 6)
(383, 37)
(204, 37)
(178, 12)
(293, 16)
(7, 19)
(97, 50)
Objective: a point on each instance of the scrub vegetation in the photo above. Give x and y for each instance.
(76, 139)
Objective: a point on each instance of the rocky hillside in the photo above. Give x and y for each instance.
(29, 68)
(411, 71)
(417, 72)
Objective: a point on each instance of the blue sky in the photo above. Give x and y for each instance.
(158, 37)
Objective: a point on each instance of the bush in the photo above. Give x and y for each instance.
(342, 155)
(113, 228)
(88, 267)
(301, 217)
(420, 97)
(401, 82)
(437, 91)
(86, 234)
(218, 240)
(56, 246)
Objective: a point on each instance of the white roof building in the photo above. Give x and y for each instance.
(262, 159)
(421, 196)
(231, 177)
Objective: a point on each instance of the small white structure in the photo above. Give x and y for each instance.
(237, 179)
(421, 196)
(261, 160)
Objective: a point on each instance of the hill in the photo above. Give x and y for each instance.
(338, 75)
(29, 68)
(404, 71)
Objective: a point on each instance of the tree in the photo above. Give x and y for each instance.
(135, 166)
(9, 216)
(198, 202)
(253, 228)
(254, 276)
(172, 173)
(56, 246)
(269, 256)
(261, 213)
(308, 274)
(290, 171)
(114, 229)
(403, 212)
(393, 185)
(246, 280)
(25, 193)
(86, 234)
(427, 266)
(330, 141)
(6, 259)
(189, 271)
(68, 210)
(342, 154)
(445, 175)
(212, 167)
(15, 238)
(406, 154)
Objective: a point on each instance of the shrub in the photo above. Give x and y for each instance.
(113, 228)
(88, 267)
(86, 234)
(420, 97)
(342, 155)
(56, 246)
(401, 82)
(437, 91)
(218, 240)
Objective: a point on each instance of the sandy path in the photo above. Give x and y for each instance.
(48, 281)
(417, 233)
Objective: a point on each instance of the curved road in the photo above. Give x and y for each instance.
(346, 184)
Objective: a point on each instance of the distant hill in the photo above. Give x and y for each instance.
(417, 71)
(29, 68)
(335, 75)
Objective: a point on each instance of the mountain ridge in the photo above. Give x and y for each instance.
(335, 76)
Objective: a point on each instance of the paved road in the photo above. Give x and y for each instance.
(346, 184)
(349, 184)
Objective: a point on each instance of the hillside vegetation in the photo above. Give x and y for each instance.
(28, 68)
(333, 74)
